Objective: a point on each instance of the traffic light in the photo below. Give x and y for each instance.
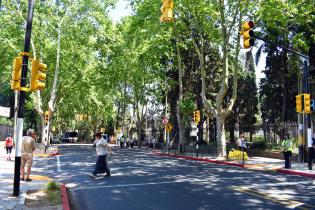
(46, 117)
(197, 116)
(307, 103)
(248, 34)
(38, 77)
(16, 73)
(299, 103)
(167, 11)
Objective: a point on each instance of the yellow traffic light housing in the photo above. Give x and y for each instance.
(16, 73)
(248, 34)
(299, 103)
(167, 11)
(46, 116)
(38, 76)
(307, 103)
(197, 116)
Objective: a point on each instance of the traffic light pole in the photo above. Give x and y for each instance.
(306, 143)
(281, 46)
(21, 105)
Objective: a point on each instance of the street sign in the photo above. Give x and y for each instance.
(168, 127)
(165, 120)
(4, 111)
(194, 130)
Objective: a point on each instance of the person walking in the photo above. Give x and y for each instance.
(28, 147)
(102, 150)
(8, 146)
(287, 151)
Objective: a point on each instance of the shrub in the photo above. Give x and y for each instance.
(52, 186)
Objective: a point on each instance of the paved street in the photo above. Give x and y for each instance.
(141, 180)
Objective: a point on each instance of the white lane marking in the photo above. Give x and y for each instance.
(130, 185)
(58, 164)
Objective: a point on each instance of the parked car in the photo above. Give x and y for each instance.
(55, 140)
(70, 137)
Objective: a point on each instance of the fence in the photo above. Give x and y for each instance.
(262, 139)
(4, 131)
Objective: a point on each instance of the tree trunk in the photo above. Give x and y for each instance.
(139, 132)
(221, 141)
(180, 84)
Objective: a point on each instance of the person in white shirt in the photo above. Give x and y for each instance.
(102, 150)
(242, 143)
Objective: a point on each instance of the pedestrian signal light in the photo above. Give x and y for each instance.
(167, 11)
(248, 34)
(197, 116)
(312, 105)
(46, 116)
(38, 76)
(299, 105)
(307, 103)
(16, 73)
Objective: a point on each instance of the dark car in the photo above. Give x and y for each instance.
(70, 137)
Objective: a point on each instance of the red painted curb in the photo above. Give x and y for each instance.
(298, 173)
(54, 154)
(64, 197)
(201, 159)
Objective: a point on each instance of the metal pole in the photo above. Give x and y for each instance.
(168, 142)
(197, 145)
(243, 155)
(281, 46)
(20, 116)
(308, 143)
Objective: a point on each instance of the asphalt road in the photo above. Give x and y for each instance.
(141, 181)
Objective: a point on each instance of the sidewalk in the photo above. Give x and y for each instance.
(253, 163)
(7, 201)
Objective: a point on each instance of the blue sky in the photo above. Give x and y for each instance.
(122, 9)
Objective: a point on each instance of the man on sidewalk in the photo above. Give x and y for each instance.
(28, 147)
(287, 151)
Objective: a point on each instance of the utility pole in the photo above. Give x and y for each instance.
(21, 105)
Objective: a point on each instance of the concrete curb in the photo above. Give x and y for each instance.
(297, 173)
(64, 197)
(21, 203)
(201, 159)
(283, 171)
(43, 155)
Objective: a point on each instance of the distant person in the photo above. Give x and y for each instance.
(122, 141)
(102, 150)
(242, 143)
(287, 150)
(28, 147)
(154, 143)
(8, 146)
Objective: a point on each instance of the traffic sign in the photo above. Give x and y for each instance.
(165, 120)
(4, 111)
(168, 127)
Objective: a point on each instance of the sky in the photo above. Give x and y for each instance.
(122, 9)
